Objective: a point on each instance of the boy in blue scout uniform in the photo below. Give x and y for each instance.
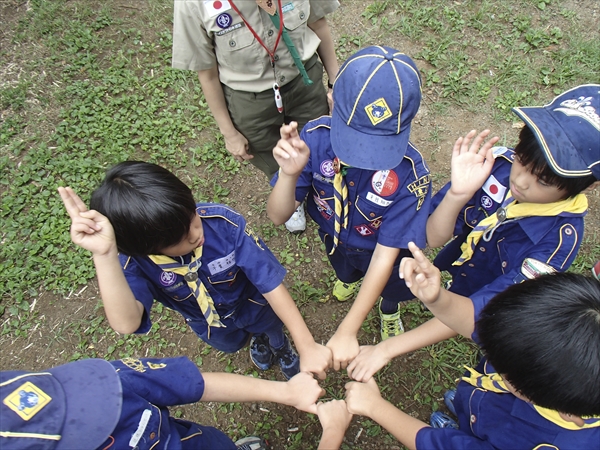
(366, 186)
(537, 385)
(93, 403)
(519, 213)
(201, 260)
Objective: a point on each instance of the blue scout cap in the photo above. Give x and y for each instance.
(376, 95)
(73, 406)
(568, 130)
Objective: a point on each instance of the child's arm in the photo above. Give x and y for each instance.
(423, 279)
(344, 343)
(93, 231)
(371, 358)
(365, 399)
(314, 357)
(302, 391)
(291, 153)
(470, 167)
(335, 419)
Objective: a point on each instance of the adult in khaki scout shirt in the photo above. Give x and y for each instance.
(232, 45)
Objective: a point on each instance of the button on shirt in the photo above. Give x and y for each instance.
(204, 37)
(496, 264)
(386, 207)
(236, 266)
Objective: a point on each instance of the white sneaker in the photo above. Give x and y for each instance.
(297, 223)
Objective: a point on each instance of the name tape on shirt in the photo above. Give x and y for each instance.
(494, 189)
(216, 7)
(378, 200)
(222, 264)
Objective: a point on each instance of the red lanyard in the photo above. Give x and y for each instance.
(271, 53)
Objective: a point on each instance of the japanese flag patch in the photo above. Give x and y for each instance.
(216, 7)
(494, 189)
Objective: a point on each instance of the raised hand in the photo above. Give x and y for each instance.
(471, 163)
(421, 277)
(291, 152)
(89, 229)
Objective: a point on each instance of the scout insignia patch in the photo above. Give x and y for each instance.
(27, 400)
(378, 111)
(420, 189)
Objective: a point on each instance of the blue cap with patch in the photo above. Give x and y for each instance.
(376, 95)
(568, 130)
(76, 405)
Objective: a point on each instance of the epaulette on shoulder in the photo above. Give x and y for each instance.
(216, 211)
(320, 122)
(504, 152)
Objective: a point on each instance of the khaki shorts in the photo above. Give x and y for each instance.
(255, 115)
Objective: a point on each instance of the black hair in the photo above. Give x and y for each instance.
(530, 154)
(543, 336)
(149, 207)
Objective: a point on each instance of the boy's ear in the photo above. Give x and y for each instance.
(591, 187)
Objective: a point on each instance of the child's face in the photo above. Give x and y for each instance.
(528, 188)
(193, 240)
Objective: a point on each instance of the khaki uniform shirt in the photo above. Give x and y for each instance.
(204, 36)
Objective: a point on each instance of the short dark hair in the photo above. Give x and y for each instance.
(531, 155)
(543, 336)
(149, 207)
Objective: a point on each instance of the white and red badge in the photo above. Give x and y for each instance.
(494, 189)
(385, 182)
(216, 7)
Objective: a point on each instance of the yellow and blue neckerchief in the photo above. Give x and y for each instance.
(494, 382)
(341, 206)
(190, 274)
(510, 209)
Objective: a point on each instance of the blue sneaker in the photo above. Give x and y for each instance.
(440, 420)
(449, 400)
(288, 359)
(260, 352)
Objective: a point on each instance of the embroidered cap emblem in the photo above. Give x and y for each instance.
(378, 111)
(27, 400)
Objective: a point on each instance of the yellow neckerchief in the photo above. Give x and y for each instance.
(205, 302)
(510, 209)
(494, 382)
(340, 201)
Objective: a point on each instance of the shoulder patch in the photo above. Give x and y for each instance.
(504, 152)
(420, 188)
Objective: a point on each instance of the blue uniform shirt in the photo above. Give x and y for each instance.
(388, 207)
(497, 264)
(237, 268)
(490, 420)
(149, 386)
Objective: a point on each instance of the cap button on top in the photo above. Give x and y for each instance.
(389, 56)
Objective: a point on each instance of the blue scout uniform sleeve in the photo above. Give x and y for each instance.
(248, 252)
(449, 439)
(557, 249)
(163, 382)
(141, 287)
(405, 220)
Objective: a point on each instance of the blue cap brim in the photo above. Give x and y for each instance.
(93, 396)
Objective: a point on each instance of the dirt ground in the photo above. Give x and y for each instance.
(67, 325)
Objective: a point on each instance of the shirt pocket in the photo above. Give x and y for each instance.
(297, 16)
(370, 211)
(239, 51)
(179, 292)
